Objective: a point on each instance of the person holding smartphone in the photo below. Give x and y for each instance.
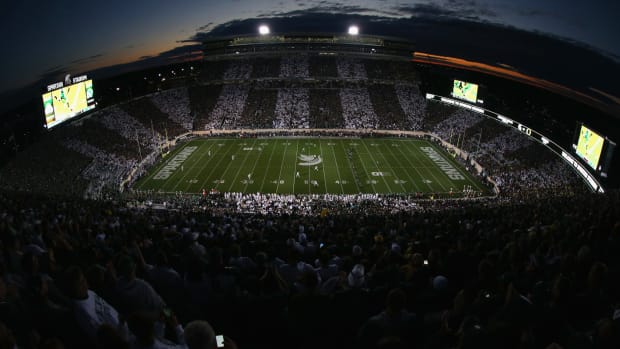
(200, 335)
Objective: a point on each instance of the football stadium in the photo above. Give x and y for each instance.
(297, 188)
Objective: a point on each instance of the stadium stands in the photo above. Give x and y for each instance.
(502, 273)
(534, 267)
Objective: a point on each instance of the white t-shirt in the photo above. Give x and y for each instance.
(93, 312)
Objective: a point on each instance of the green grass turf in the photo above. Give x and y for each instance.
(345, 166)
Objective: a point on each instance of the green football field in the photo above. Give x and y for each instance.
(309, 166)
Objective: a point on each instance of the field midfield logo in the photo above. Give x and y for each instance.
(309, 160)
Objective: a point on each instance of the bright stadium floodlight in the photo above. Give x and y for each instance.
(263, 30)
(354, 30)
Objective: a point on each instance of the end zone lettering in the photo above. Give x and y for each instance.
(444, 165)
(174, 163)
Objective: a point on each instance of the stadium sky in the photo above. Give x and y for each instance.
(45, 39)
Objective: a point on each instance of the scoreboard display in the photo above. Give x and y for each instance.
(589, 146)
(62, 103)
(465, 90)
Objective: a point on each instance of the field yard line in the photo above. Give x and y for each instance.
(309, 174)
(325, 177)
(375, 161)
(295, 174)
(427, 159)
(465, 174)
(337, 166)
(193, 166)
(414, 168)
(242, 164)
(274, 145)
(374, 189)
(350, 165)
(216, 166)
(387, 162)
(406, 172)
(282, 166)
(254, 167)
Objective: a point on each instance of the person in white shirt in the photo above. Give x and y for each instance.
(90, 310)
(134, 293)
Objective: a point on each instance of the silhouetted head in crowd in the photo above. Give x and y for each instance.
(199, 335)
(77, 286)
(596, 276)
(309, 280)
(30, 263)
(126, 267)
(95, 275)
(396, 301)
(356, 277)
(161, 259)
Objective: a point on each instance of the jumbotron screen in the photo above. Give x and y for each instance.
(67, 102)
(589, 146)
(465, 90)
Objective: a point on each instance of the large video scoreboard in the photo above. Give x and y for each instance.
(465, 90)
(68, 99)
(593, 148)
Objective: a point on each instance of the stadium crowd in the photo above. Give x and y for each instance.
(294, 67)
(175, 103)
(357, 110)
(105, 172)
(413, 104)
(292, 109)
(349, 68)
(230, 105)
(78, 274)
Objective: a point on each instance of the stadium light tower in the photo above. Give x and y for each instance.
(354, 30)
(263, 30)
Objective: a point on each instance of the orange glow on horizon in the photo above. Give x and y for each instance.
(453, 62)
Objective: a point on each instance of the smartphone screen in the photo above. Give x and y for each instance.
(219, 340)
(426, 262)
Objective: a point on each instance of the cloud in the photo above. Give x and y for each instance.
(464, 9)
(206, 27)
(86, 59)
(327, 7)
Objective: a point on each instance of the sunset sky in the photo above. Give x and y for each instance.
(46, 39)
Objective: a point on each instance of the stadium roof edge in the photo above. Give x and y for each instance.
(265, 38)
